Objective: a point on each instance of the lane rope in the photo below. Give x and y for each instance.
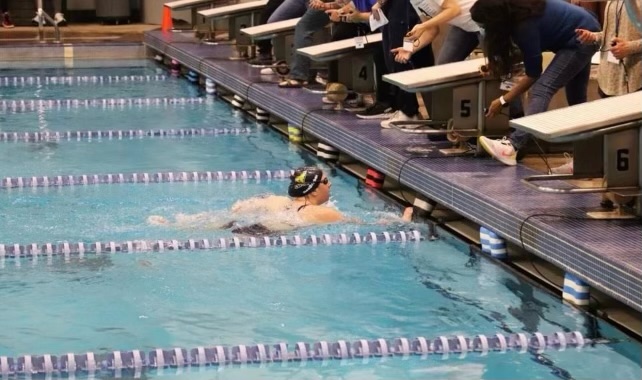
(78, 80)
(178, 358)
(144, 178)
(22, 105)
(118, 134)
(81, 249)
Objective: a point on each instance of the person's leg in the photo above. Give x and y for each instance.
(341, 31)
(562, 71)
(312, 21)
(264, 47)
(569, 67)
(383, 89)
(457, 45)
(288, 9)
(4, 6)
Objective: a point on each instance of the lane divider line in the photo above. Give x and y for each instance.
(78, 80)
(143, 178)
(118, 134)
(178, 358)
(80, 249)
(21, 105)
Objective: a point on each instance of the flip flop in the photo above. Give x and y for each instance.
(292, 83)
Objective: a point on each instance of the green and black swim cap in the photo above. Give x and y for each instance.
(304, 181)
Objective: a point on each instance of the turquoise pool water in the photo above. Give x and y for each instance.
(245, 296)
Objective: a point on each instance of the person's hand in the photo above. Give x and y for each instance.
(375, 10)
(317, 4)
(494, 108)
(576, 2)
(334, 15)
(352, 17)
(585, 36)
(621, 48)
(401, 55)
(407, 214)
(416, 32)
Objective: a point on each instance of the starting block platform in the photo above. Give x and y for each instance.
(616, 124)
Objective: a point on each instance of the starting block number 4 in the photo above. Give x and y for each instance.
(362, 74)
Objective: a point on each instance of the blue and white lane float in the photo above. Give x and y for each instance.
(78, 80)
(144, 178)
(159, 359)
(80, 249)
(21, 105)
(118, 134)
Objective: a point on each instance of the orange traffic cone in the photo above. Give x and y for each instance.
(166, 24)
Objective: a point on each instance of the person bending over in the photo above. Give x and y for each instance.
(309, 191)
(535, 26)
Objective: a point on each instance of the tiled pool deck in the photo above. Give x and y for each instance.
(606, 254)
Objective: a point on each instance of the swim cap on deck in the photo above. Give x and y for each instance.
(304, 181)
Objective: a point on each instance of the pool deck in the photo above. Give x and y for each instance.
(606, 254)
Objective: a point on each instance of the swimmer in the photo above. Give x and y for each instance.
(309, 191)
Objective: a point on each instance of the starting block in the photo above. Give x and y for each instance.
(239, 16)
(193, 6)
(459, 95)
(356, 68)
(616, 124)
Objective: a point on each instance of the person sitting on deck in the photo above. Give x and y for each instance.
(309, 191)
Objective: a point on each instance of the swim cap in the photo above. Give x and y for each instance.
(304, 181)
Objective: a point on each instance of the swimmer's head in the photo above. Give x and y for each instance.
(305, 181)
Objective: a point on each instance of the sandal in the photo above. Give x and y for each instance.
(292, 83)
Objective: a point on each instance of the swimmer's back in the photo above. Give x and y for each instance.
(267, 203)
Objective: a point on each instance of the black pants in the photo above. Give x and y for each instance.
(401, 18)
(4, 6)
(264, 47)
(343, 31)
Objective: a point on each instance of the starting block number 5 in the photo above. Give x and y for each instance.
(465, 106)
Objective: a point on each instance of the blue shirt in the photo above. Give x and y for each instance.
(363, 5)
(553, 30)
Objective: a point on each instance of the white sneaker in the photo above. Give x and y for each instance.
(267, 71)
(501, 150)
(36, 20)
(567, 168)
(399, 116)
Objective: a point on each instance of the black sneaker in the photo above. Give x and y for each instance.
(377, 111)
(261, 61)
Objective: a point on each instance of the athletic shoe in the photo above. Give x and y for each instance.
(261, 61)
(377, 111)
(501, 150)
(399, 116)
(567, 168)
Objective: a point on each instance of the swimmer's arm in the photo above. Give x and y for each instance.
(329, 215)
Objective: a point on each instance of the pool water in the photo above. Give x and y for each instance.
(145, 301)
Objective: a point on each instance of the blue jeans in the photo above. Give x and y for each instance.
(457, 45)
(312, 21)
(571, 69)
(288, 9)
